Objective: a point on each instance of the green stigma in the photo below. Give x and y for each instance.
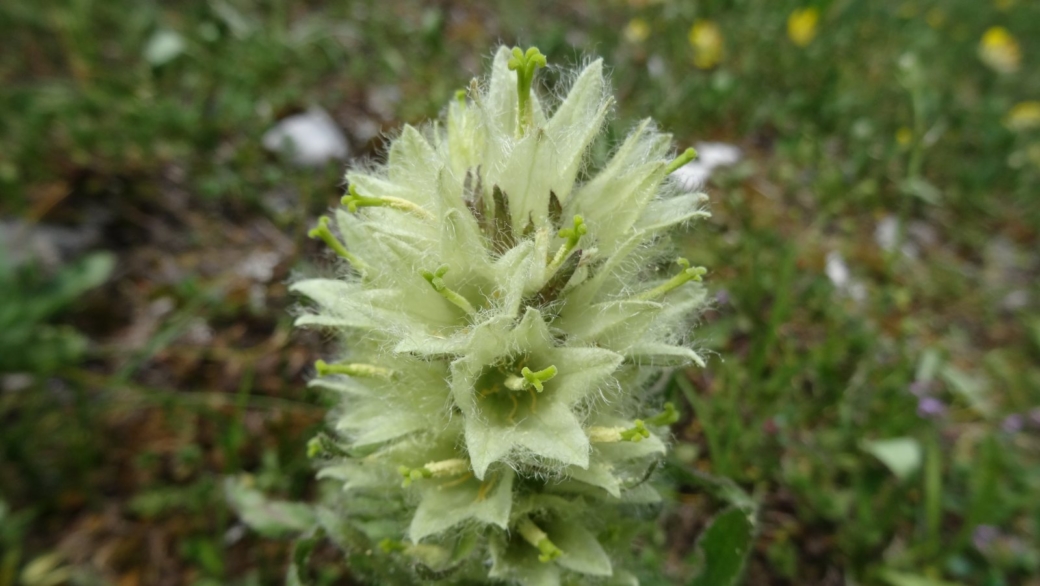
(525, 64)
(529, 378)
(572, 235)
(323, 233)
(547, 550)
(686, 156)
(669, 416)
(437, 282)
(637, 433)
(687, 274)
(353, 200)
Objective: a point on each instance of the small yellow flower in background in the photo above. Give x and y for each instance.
(904, 136)
(1024, 116)
(706, 40)
(1033, 154)
(1004, 5)
(908, 10)
(801, 25)
(999, 50)
(935, 18)
(637, 30)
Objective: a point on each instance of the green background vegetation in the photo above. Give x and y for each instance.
(149, 353)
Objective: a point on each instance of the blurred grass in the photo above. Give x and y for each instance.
(140, 123)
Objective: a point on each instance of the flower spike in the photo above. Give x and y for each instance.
(525, 64)
(460, 414)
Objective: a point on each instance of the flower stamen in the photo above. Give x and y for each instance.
(353, 369)
(451, 467)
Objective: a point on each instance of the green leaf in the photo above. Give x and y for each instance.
(720, 487)
(581, 551)
(266, 516)
(724, 548)
(970, 387)
(297, 573)
(902, 455)
(895, 578)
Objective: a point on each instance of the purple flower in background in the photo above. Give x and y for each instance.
(930, 408)
(1013, 423)
(722, 297)
(920, 388)
(983, 537)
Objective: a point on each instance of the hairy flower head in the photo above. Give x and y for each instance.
(502, 307)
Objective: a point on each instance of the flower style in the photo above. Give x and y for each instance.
(502, 310)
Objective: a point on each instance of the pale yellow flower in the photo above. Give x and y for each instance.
(904, 136)
(637, 31)
(1023, 116)
(935, 18)
(1033, 154)
(1000, 50)
(706, 40)
(801, 25)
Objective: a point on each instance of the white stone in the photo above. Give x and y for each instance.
(311, 138)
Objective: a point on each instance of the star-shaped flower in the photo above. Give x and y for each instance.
(506, 414)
